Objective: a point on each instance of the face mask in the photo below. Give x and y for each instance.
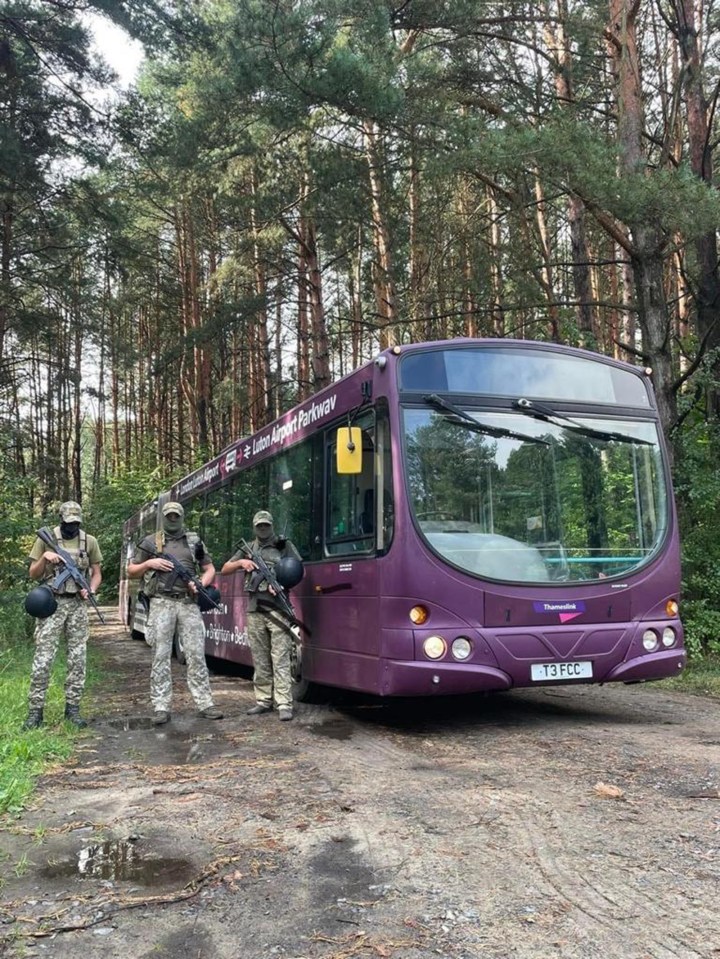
(172, 523)
(69, 530)
(264, 532)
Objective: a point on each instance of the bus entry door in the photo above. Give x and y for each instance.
(341, 604)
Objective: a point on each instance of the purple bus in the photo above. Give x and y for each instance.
(473, 515)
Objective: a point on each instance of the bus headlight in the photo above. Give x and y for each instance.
(434, 647)
(461, 648)
(671, 608)
(650, 640)
(668, 637)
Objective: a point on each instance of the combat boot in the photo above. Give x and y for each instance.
(212, 712)
(72, 714)
(34, 720)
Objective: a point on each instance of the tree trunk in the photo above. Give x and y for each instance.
(556, 40)
(701, 162)
(647, 239)
(496, 271)
(384, 286)
(262, 385)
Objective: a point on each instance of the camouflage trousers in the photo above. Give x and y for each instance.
(270, 645)
(70, 618)
(167, 615)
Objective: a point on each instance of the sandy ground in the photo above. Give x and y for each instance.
(563, 822)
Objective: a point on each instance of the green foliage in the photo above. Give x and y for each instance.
(14, 523)
(23, 755)
(697, 486)
(114, 501)
(702, 676)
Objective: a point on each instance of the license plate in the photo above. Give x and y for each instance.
(549, 672)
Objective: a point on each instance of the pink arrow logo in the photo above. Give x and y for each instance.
(566, 617)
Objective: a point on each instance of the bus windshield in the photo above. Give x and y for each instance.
(519, 499)
(538, 373)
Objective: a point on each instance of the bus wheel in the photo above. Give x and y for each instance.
(303, 691)
(137, 617)
(178, 651)
(134, 633)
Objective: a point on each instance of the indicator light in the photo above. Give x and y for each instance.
(419, 615)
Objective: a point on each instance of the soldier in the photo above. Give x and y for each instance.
(173, 605)
(70, 617)
(268, 630)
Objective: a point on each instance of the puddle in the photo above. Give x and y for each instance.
(339, 730)
(121, 860)
(130, 722)
(172, 744)
(340, 874)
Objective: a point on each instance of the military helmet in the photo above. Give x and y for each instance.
(40, 602)
(289, 571)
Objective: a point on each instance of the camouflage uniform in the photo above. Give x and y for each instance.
(166, 615)
(271, 644)
(269, 633)
(173, 609)
(70, 618)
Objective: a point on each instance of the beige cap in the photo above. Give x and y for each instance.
(71, 512)
(173, 508)
(262, 516)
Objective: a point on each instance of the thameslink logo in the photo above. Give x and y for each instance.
(565, 611)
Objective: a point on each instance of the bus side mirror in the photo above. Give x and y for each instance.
(348, 442)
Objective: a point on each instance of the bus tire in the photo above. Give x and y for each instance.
(134, 633)
(303, 690)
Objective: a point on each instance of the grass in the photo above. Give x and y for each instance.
(24, 754)
(701, 677)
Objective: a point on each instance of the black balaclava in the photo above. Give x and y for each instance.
(69, 530)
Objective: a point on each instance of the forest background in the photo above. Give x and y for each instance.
(292, 185)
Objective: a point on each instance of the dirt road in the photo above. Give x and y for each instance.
(566, 822)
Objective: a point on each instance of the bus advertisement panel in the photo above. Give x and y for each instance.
(508, 522)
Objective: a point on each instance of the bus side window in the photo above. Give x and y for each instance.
(350, 520)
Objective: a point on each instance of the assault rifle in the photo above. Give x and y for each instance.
(70, 572)
(206, 599)
(263, 572)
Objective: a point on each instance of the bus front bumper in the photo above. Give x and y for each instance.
(440, 679)
(660, 665)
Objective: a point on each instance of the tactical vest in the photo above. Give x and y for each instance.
(151, 580)
(261, 597)
(79, 556)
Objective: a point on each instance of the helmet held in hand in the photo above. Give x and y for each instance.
(40, 602)
(214, 594)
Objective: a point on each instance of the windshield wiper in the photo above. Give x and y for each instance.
(459, 417)
(547, 414)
